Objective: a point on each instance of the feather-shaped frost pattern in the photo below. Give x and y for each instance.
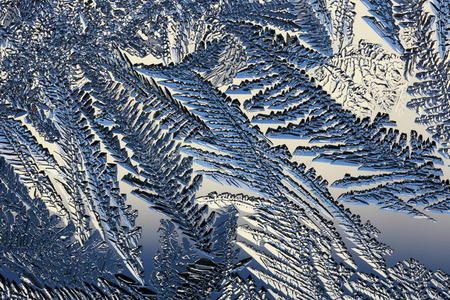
(224, 149)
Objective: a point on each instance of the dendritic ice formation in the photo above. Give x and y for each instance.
(106, 104)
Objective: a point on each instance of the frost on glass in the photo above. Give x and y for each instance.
(224, 149)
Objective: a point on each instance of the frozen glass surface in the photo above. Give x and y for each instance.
(224, 149)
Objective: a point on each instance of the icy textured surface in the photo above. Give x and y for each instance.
(220, 149)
